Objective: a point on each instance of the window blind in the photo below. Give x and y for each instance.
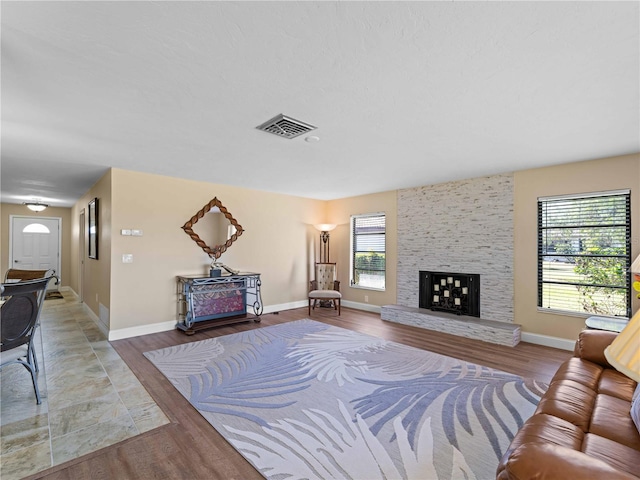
(584, 254)
(368, 250)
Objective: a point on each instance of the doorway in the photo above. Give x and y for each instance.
(35, 243)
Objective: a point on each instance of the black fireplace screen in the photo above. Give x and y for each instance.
(457, 293)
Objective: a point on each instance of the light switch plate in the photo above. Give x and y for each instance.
(127, 258)
(125, 231)
(136, 233)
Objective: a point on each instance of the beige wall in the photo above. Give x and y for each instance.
(339, 212)
(8, 209)
(278, 242)
(96, 287)
(582, 177)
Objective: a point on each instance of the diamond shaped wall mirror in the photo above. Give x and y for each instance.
(218, 229)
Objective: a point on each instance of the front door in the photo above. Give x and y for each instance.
(35, 243)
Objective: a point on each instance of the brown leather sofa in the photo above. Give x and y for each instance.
(582, 428)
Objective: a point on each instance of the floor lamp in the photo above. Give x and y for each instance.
(324, 229)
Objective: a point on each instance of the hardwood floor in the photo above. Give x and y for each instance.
(190, 448)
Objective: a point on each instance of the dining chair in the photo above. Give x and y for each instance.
(19, 317)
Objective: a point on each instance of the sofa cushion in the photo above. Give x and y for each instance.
(615, 454)
(540, 461)
(581, 371)
(545, 429)
(611, 420)
(570, 401)
(616, 384)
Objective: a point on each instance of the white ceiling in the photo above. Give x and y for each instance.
(403, 93)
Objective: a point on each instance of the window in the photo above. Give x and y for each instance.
(368, 262)
(584, 253)
(35, 228)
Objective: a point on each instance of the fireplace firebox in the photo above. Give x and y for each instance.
(457, 293)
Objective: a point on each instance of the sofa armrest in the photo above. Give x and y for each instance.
(591, 344)
(546, 461)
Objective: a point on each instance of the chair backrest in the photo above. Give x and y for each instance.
(21, 311)
(325, 275)
(22, 275)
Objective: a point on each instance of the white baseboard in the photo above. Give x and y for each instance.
(284, 306)
(103, 328)
(71, 291)
(555, 342)
(547, 341)
(142, 330)
(367, 307)
(171, 325)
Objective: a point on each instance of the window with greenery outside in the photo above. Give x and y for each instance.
(368, 251)
(584, 254)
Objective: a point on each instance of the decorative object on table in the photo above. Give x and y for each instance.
(219, 265)
(305, 399)
(232, 234)
(325, 288)
(93, 229)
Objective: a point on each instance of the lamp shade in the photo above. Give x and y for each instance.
(635, 266)
(325, 227)
(624, 352)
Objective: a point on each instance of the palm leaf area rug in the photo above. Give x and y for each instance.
(306, 400)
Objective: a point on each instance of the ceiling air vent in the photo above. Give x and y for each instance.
(285, 127)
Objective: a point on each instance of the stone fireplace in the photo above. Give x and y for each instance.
(460, 226)
(450, 303)
(457, 293)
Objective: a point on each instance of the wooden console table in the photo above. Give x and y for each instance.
(205, 302)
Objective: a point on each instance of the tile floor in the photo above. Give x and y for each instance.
(90, 398)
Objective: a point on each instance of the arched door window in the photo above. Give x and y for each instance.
(35, 228)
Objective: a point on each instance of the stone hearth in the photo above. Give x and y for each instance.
(502, 333)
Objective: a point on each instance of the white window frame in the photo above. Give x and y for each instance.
(352, 252)
(545, 252)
